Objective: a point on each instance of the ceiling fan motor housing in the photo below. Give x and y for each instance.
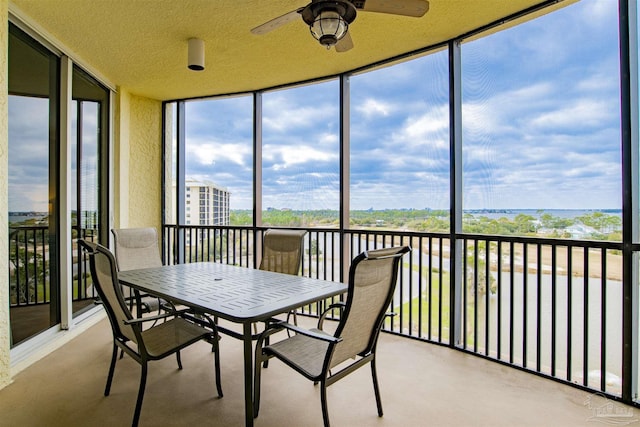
(344, 8)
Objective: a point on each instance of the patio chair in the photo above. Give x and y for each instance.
(155, 343)
(282, 250)
(138, 248)
(282, 253)
(320, 356)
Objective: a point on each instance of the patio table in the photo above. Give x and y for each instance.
(238, 294)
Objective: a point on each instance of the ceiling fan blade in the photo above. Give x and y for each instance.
(277, 22)
(345, 43)
(415, 8)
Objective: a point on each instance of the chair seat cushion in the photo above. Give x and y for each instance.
(303, 353)
(171, 335)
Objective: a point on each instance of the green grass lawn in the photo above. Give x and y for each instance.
(417, 313)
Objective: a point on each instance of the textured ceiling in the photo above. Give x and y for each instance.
(141, 45)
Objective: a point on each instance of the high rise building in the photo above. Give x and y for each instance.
(206, 203)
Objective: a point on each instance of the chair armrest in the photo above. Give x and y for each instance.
(306, 332)
(199, 318)
(153, 318)
(168, 305)
(340, 305)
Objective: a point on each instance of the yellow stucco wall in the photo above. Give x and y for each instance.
(138, 156)
(5, 371)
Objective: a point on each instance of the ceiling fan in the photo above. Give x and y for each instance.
(329, 20)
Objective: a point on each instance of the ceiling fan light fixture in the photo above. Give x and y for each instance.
(329, 20)
(329, 27)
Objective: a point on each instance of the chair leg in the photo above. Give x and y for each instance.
(214, 339)
(376, 388)
(256, 384)
(265, 364)
(179, 359)
(323, 399)
(143, 383)
(112, 367)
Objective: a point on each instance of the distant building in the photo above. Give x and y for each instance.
(580, 231)
(206, 203)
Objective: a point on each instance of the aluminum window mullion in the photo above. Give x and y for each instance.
(345, 174)
(64, 194)
(180, 181)
(628, 33)
(455, 190)
(257, 176)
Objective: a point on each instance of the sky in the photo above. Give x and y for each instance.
(29, 157)
(540, 117)
(28, 154)
(540, 129)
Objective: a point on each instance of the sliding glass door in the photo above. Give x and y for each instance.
(33, 136)
(89, 118)
(36, 185)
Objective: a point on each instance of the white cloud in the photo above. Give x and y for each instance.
(596, 13)
(372, 108)
(329, 139)
(599, 81)
(501, 111)
(426, 129)
(288, 156)
(284, 114)
(207, 153)
(31, 197)
(579, 113)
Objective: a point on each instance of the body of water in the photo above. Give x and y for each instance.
(18, 217)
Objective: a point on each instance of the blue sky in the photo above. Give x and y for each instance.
(544, 125)
(540, 127)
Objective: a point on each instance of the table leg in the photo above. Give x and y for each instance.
(248, 374)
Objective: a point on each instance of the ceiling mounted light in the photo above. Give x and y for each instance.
(329, 20)
(196, 55)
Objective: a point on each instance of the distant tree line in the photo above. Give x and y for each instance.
(596, 225)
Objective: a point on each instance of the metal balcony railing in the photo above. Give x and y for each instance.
(30, 267)
(552, 307)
